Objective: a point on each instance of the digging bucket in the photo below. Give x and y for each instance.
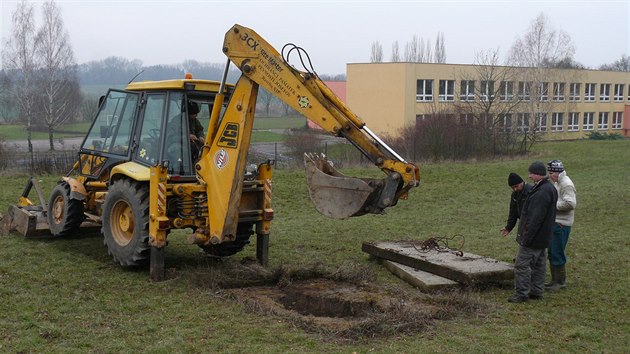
(334, 194)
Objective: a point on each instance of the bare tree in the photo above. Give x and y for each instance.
(421, 56)
(7, 104)
(264, 100)
(622, 64)
(88, 108)
(411, 50)
(60, 94)
(395, 53)
(489, 104)
(19, 57)
(428, 53)
(540, 56)
(440, 51)
(541, 45)
(377, 52)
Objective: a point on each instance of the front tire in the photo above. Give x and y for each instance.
(126, 222)
(65, 215)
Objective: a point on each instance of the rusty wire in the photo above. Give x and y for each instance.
(440, 244)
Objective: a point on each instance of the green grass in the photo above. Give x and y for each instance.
(12, 132)
(267, 123)
(67, 296)
(262, 127)
(267, 137)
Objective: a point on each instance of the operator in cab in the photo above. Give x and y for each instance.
(196, 130)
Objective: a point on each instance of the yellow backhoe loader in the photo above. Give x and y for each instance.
(144, 169)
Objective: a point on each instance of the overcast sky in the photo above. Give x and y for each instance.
(334, 32)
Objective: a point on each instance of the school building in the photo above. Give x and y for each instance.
(569, 103)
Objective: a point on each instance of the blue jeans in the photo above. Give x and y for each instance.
(558, 245)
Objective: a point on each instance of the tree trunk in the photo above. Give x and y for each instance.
(51, 131)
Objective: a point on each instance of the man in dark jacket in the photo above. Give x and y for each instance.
(534, 234)
(520, 191)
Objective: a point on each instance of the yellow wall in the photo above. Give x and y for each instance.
(378, 94)
(384, 94)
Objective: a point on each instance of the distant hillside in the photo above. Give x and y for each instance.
(117, 71)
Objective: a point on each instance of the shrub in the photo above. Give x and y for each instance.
(604, 136)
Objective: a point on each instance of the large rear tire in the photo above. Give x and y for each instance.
(126, 223)
(65, 215)
(226, 249)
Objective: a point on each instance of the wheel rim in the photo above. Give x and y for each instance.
(58, 209)
(122, 222)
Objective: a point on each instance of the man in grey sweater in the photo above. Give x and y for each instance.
(565, 209)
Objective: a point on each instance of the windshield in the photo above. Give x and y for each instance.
(111, 130)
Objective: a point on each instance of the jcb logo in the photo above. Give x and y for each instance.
(229, 136)
(251, 42)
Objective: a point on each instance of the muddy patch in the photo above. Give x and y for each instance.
(343, 303)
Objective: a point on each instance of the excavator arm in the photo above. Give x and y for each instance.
(223, 160)
(333, 194)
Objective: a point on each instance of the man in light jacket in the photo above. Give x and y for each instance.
(565, 210)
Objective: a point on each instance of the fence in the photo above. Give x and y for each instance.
(59, 162)
(49, 162)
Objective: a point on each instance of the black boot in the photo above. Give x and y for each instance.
(554, 277)
(560, 282)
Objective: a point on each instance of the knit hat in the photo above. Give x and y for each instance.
(193, 107)
(555, 166)
(538, 168)
(514, 179)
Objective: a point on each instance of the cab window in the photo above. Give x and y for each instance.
(150, 133)
(111, 130)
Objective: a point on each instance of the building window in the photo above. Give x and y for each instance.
(543, 91)
(541, 122)
(424, 90)
(467, 90)
(487, 90)
(505, 122)
(628, 92)
(602, 123)
(588, 120)
(447, 90)
(558, 91)
(574, 122)
(422, 117)
(589, 92)
(523, 122)
(604, 92)
(618, 92)
(574, 92)
(556, 122)
(617, 120)
(524, 90)
(507, 90)
(465, 118)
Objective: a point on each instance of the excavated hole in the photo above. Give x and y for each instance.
(312, 300)
(340, 304)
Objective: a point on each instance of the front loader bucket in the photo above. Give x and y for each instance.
(29, 221)
(334, 194)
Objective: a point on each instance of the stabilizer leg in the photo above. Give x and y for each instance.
(262, 249)
(156, 270)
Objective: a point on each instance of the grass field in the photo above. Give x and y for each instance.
(11, 132)
(66, 295)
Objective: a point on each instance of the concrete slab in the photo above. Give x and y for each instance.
(467, 268)
(420, 279)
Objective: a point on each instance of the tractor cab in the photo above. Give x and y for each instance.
(150, 123)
